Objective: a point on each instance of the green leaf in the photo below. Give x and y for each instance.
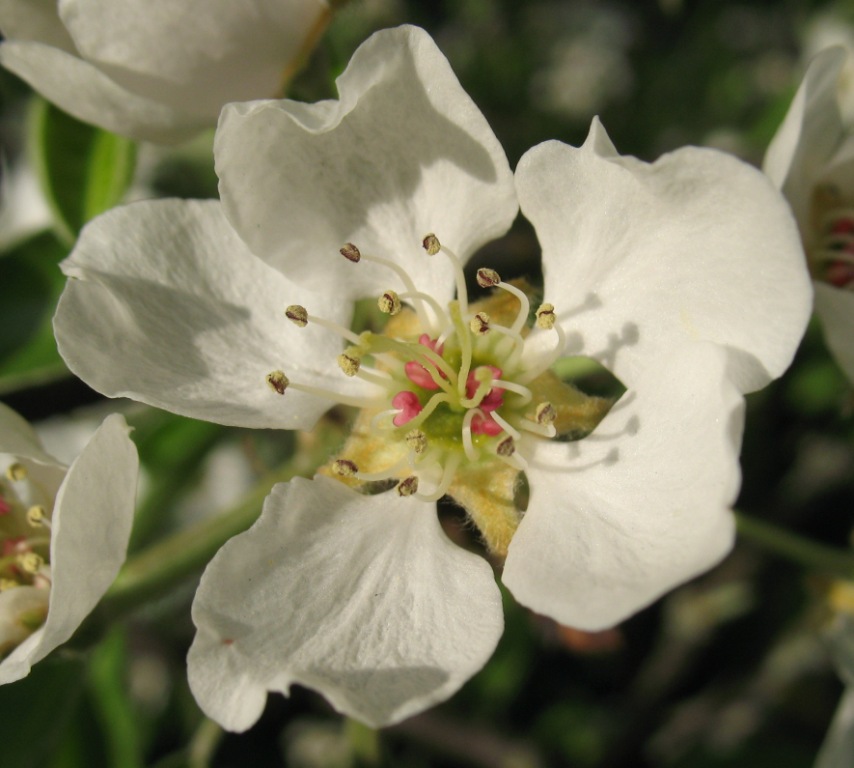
(30, 284)
(83, 170)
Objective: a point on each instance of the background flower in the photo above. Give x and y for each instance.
(158, 70)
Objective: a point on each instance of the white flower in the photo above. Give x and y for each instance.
(158, 70)
(811, 159)
(63, 532)
(669, 274)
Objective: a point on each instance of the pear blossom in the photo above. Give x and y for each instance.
(64, 533)
(811, 159)
(158, 70)
(684, 278)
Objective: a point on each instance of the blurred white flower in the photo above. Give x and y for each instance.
(158, 70)
(658, 271)
(811, 159)
(63, 533)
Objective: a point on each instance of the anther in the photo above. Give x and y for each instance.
(545, 414)
(431, 244)
(416, 440)
(16, 472)
(6, 584)
(546, 316)
(480, 324)
(278, 381)
(349, 364)
(351, 253)
(297, 315)
(37, 516)
(30, 562)
(506, 448)
(488, 278)
(389, 303)
(344, 468)
(408, 486)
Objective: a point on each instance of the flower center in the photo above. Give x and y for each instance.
(453, 381)
(24, 545)
(832, 257)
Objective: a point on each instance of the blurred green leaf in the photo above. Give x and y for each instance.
(30, 284)
(109, 691)
(43, 704)
(83, 170)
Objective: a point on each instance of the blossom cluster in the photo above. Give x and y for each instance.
(685, 278)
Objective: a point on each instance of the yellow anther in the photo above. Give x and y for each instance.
(545, 414)
(480, 324)
(488, 278)
(36, 516)
(344, 468)
(546, 316)
(278, 381)
(408, 486)
(30, 562)
(416, 440)
(7, 584)
(431, 244)
(297, 315)
(351, 253)
(16, 472)
(349, 364)
(389, 303)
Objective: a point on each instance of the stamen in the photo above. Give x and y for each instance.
(507, 447)
(408, 486)
(512, 386)
(479, 324)
(30, 562)
(505, 425)
(389, 303)
(546, 316)
(344, 468)
(546, 362)
(353, 254)
(300, 317)
(545, 413)
(487, 278)
(433, 246)
(544, 430)
(297, 315)
(279, 383)
(16, 472)
(37, 517)
(472, 454)
(416, 440)
(448, 473)
(349, 364)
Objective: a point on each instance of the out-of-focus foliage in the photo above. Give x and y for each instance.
(729, 671)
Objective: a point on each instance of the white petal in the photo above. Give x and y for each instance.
(34, 20)
(14, 634)
(91, 524)
(838, 748)
(19, 439)
(167, 306)
(82, 90)
(194, 55)
(809, 134)
(835, 309)
(639, 506)
(362, 598)
(405, 152)
(638, 258)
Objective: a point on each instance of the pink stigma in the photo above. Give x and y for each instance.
(409, 406)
